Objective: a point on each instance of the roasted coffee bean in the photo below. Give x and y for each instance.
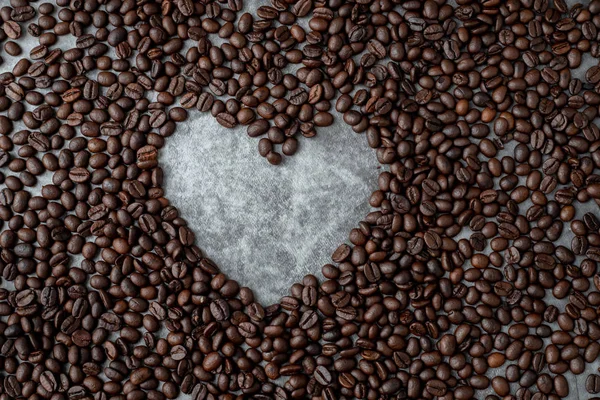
(219, 309)
(592, 384)
(226, 120)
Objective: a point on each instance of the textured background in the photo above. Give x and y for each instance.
(268, 226)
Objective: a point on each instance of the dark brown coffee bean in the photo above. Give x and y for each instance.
(226, 120)
(219, 309)
(436, 387)
(592, 384)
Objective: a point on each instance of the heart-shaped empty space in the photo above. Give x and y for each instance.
(268, 226)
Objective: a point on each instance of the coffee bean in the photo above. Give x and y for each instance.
(226, 120)
(12, 29)
(436, 387)
(48, 381)
(592, 384)
(322, 376)
(219, 309)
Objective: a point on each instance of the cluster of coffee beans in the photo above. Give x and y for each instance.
(456, 286)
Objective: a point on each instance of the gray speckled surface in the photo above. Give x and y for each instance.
(267, 226)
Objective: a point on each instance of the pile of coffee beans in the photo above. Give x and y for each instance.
(476, 275)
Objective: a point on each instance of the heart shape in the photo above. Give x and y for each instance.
(265, 225)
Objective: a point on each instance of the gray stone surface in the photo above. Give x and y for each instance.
(267, 226)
